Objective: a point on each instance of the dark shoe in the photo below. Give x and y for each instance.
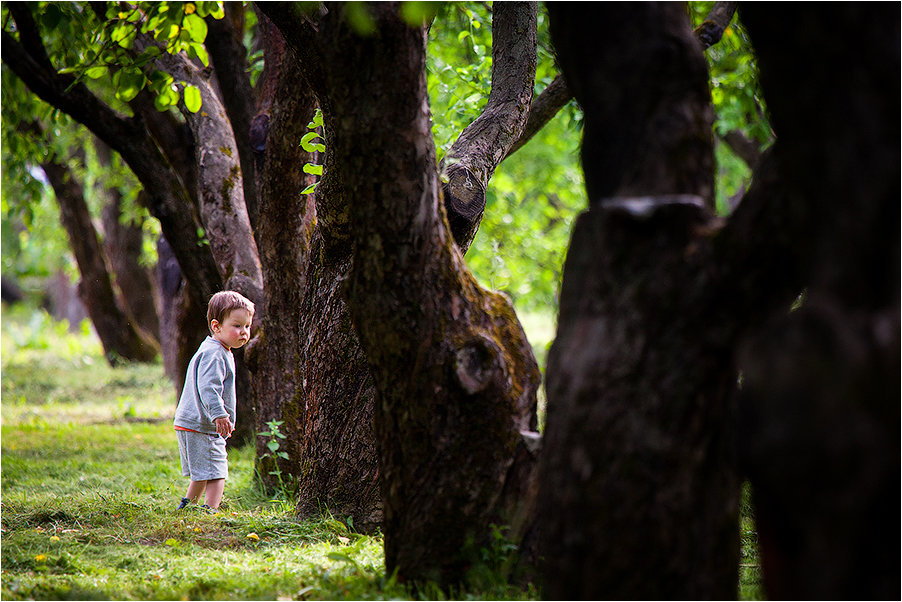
(183, 504)
(209, 510)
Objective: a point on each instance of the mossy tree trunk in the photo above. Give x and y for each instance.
(450, 379)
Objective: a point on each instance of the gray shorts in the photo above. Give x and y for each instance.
(203, 456)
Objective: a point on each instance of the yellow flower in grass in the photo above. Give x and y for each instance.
(40, 558)
(54, 538)
(253, 536)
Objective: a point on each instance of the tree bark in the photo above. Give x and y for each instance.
(820, 396)
(455, 379)
(121, 337)
(638, 491)
(220, 184)
(711, 29)
(472, 159)
(285, 228)
(123, 244)
(229, 59)
(182, 322)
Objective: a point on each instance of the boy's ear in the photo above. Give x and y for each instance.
(214, 324)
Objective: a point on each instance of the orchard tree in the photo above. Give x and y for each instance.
(663, 306)
(407, 392)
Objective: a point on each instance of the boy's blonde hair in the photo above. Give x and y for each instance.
(225, 302)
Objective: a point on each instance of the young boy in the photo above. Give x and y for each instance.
(205, 416)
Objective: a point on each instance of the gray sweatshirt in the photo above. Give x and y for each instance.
(209, 391)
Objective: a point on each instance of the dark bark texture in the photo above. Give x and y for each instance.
(454, 377)
(639, 493)
(820, 397)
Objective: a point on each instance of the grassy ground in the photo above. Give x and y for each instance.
(90, 481)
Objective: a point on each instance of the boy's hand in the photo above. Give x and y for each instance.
(224, 426)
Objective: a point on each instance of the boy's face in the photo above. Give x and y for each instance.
(235, 330)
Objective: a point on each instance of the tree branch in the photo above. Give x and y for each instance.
(173, 137)
(479, 149)
(717, 21)
(74, 99)
(556, 95)
(220, 189)
(130, 140)
(229, 58)
(542, 110)
(29, 36)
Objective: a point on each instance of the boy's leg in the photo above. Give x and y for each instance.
(195, 490)
(215, 487)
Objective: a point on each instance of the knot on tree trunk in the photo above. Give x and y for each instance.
(259, 132)
(464, 197)
(477, 364)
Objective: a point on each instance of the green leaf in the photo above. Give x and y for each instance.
(51, 16)
(166, 98)
(96, 72)
(360, 19)
(192, 98)
(416, 13)
(309, 146)
(213, 9)
(273, 445)
(195, 26)
(198, 51)
(128, 83)
(309, 189)
(317, 119)
(314, 170)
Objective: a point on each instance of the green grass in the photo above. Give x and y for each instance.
(90, 481)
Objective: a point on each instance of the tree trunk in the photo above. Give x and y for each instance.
(820, 396)
(454, 376)
(124, 245)
(329, 419)
(285, 228)
(121, 337)
(182, 322)
(638, 492)
(337, 451)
